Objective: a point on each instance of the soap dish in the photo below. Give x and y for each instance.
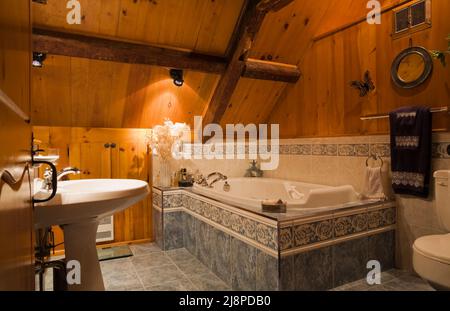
(270, 206)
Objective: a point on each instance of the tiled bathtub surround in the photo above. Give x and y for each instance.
(329, 251)
(248, 251)
(341, 160)
(301, 234)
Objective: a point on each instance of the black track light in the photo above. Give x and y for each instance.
(38, 59)
(177, 76)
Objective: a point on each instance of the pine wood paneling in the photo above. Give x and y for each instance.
(85, 148)
(252, 101)
(323, 104)
(198, 25)
(89, 93)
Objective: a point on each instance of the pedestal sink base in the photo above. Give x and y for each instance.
(77, 207)
(80, 245)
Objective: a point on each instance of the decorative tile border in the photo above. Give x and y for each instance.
(321, 231)
(383, 150)
(172, 201)
(320, 149)
(157, 198)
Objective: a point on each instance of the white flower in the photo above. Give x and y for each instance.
(163, 138)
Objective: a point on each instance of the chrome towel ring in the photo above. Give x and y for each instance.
(375, 157)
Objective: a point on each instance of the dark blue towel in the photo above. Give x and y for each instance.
(411, 139)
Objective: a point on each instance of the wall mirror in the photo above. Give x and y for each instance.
(411, 67)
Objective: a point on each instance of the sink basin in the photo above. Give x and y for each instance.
(80, 200)
(77, 208)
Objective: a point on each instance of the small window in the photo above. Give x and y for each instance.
(402, 20)
(418, 14)
(412, 17)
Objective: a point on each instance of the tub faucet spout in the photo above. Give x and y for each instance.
(219, 177)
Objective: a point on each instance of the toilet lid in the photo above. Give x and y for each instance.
(434, 246)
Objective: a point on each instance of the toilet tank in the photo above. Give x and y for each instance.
(443, 197)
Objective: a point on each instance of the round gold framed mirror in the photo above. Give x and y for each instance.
(411, 67)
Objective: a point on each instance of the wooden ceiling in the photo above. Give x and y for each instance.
(204, 26)
(70, 91)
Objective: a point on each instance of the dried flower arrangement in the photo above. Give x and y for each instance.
(163, 138)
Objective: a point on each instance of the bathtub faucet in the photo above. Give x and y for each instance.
(219, 177)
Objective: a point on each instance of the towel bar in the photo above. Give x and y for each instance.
(385, 116)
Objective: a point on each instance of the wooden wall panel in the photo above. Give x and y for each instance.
(344, 13)
(286, 35)
(252, 101)
(323, 104)
(198, 25)
(79, 92)
(84, 148)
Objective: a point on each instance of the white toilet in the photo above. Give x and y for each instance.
(431, 254)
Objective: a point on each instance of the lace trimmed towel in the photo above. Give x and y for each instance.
(373, 184)
(411, 150)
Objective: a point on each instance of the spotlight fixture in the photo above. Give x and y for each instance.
(177, 76)
(38, 59)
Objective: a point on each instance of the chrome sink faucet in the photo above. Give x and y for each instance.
(68, 171)
(47, 184)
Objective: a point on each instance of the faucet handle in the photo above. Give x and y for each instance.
(48, 172)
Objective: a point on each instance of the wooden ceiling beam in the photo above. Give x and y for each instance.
(77, 45)
(249, 25)
(272, 71)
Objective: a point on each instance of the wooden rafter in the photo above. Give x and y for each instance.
(265, 70)
(83, 46)
(76, 45)
(250, 23)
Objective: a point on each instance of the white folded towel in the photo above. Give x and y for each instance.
(373, 185)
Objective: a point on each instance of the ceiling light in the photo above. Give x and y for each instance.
(177, 76)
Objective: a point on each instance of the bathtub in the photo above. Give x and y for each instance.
(250, 192)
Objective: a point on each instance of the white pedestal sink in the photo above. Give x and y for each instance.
(77, 208)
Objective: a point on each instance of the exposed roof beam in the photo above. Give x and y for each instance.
(83, 46)
(249, 26)
(265, 70)
(76, 45)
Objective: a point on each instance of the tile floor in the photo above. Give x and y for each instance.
(152, 269)
(178, 270)
(392, 280)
